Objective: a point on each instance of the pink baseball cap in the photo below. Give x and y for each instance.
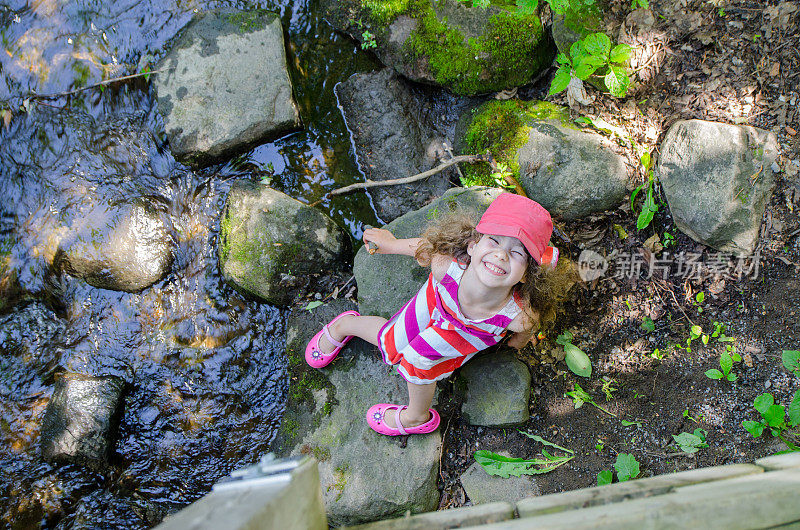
(517, 216)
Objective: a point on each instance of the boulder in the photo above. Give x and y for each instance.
(383, 115)
(272, 246)
(79, 422)
(498, 387)
(126, 247)
(226, 86)
(482, 487)
(364, 476)
(717, 179)
(466, 50)
(386, 282)
(570, 171)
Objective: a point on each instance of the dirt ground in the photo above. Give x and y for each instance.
(732, 62)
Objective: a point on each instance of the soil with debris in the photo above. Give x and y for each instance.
(731, 62)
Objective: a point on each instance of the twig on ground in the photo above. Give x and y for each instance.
(441, 449)
(95, 85)
(667, 289)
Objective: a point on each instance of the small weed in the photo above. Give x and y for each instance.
(648, 325)
(577, 361)
(649, 207)
(791, 361)
(368, 41)
(505, 466)
(580, 396)
(608, 388)
(588, 55)
(689, 417)
(636, 4)
(691, 443)
(699, 298)
(501, 176)
(773, 419)
(658, 354)
(626, 466)
(726, 364)
(669, 240)
(600, 445)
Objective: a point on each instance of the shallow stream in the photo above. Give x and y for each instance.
(203, 365)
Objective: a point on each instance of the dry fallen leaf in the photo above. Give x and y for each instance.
(6, 118)
(775, 70)
(790, 131)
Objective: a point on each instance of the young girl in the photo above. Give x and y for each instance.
(485, 281)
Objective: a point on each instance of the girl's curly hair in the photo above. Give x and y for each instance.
(541, 289)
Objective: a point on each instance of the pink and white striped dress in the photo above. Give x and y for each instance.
(430, 337)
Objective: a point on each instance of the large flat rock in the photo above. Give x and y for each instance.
(226, 86)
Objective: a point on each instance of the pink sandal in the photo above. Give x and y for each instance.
(314, 356)
(377, 413)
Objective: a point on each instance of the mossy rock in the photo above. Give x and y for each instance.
(569, 171)
(272, 246)
(579, 20)
(463, 49)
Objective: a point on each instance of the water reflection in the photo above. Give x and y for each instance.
(203, 365)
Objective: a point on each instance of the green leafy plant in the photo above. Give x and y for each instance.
(368, 41)
(587, 56)
(580, 396)
(719, 332)
(635, 4)
(577, 361)
(649, 207)
(791, 361)
(626, 466)
(690, 443)
(500, 176)
(312, 305)
(689, 417)
(658, 354)
(774, 419)
(669, 240)
(648, 325)
(505, 466)
(699, 298)
(726, 364)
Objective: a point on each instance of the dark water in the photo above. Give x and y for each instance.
(203, 365)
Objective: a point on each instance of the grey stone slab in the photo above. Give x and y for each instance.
(483, 488)
(226, 86)
(444, 519)
(498, 390)
(292, 504)
(621, 491)
(774, 462)
(755, 501)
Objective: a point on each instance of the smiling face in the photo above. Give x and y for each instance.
(498, 261)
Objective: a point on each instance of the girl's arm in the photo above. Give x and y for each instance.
(524, 326)
(388, 244)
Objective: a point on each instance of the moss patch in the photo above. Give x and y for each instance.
(505, 56)
(249, 21)
(502, 128)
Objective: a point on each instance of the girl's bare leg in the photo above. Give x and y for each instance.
(364, 327)
(420, 398)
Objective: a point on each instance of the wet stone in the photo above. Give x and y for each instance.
(498, 387)
(127, 249)
(80, 419)
(226, 87)
(482, 487)
(273, 246)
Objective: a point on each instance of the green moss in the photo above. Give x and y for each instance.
(584, 17)
(320, 453)
(249, 21)
(340, 480)
(502, 128)
(224, 236)
(503, 57)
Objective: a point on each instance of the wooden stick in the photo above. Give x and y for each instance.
(101, 83)
(407, 180)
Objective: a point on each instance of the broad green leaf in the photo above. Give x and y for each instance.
(714, 374)
(577, 361)
(689, 443)
(635, 193)
(794, 410)
(312, 305)
(700, 297)
(753, 427)
(644, 219)
(562, 59)
(791, 361)
(545, 442)
(527, 7)
(626, 423)
(579, 396)
(732, 377)
(627, 467)
(560, 80)
(621, 53)
(617, 81)
(763, 402)
(597, 44)
(701, 433)
(774, 416)
(504, 466)
(695, 332)
(604, 477)
(725, 362)
(576, 51)
(559, 6)
(483, 4)
(584, 70)
(648, 325)
(705, 339)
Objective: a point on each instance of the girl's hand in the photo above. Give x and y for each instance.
(384, 240)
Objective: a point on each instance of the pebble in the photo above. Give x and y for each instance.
(768, 384)
(776, 168)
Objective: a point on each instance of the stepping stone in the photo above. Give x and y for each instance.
(498, 390)
(482, 487)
